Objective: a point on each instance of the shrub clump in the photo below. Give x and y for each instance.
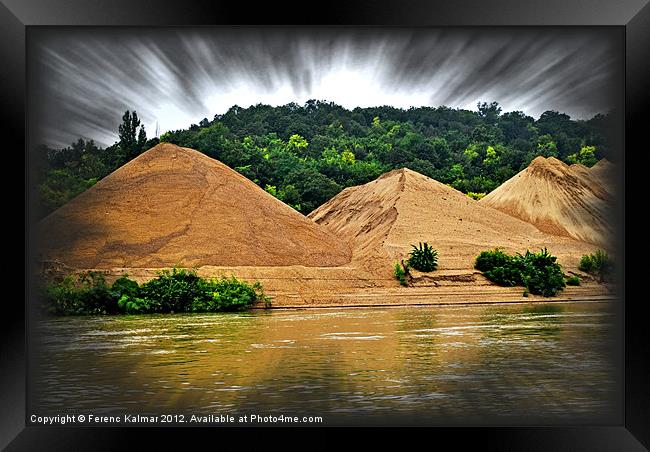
(488, 260)
(400, 273)
(172, 291)
(423, 257)
(573, 281)
(227, 294)
(178, 290)
(598, 263)
(539, 273)
(476, 196)
(83, 294)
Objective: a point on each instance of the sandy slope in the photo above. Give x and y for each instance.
(581, 170)
(558, 199)
(603, 172)
(176, 206)
(382, 218)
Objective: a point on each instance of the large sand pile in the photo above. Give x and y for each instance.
(382, 218)
(558, 199)
(176, 206)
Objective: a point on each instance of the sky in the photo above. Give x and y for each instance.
(81, 80)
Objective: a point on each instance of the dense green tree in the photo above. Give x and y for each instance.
(489, 112)
(308, 153)
(586, 156)
(142, 139)
(546, 146)
(131, 140)
(128, 129)
(516, 125)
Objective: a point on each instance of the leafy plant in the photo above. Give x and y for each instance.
(136, 305)
(505, 276)
(487, 260)
(400, 273)
(62, 297)
(586, 264)
(178, 290)
(586, 156)
(539, 272)
(83, 294)
(226, 294)
(124, 286)
(573, 281)
(173, 290)
(477, 196)
(598, 263)
(423, 257)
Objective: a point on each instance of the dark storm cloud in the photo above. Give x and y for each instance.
(83, 79)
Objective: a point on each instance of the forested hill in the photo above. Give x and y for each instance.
(304, 155)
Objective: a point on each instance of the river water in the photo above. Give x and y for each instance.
(484, 364)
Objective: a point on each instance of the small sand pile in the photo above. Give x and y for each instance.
(603, 172)
(581, 169)
(558, 199)
(382, 218)
(176, 206)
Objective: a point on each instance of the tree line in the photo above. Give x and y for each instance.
(306, 154)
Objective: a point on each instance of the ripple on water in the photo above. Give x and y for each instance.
(499, 360)
(352, 335)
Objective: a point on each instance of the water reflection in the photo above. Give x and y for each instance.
(485, 364)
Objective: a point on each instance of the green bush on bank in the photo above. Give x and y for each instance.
(227, 294)
(178, 290)
(85, 294)
(539, 272)
(573, 281)
(400, 273)
(423, 257)
(488, 260)
(598, 263)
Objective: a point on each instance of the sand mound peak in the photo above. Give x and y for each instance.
(550, 168)
(176, 206)
(399, 171)
(383, 218)
(547, 162)
(395, 172)
(402, 179)
(162, 147)
(602, 163)
(603, 173)
(557, 198)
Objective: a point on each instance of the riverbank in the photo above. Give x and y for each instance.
(326, 287)
(435, 296)
(460, 303)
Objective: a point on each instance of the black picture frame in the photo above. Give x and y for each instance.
(633, 16)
